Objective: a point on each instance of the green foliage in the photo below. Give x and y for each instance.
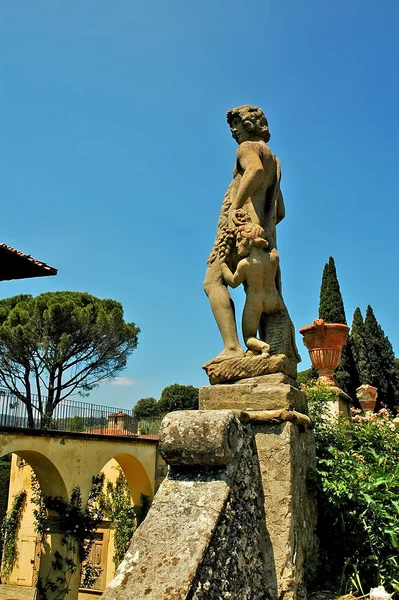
(359, 349)
(9, 534)
(304, 376)
(146, 408)
(346, 374)
(150, 426)
(358, 492)
(76, 423)
(331, 305)
(318, 395)
(117, 506)
(59, 343)
(77, 527)
(39, 510)
(367, 357)
(5, 466)
(178, 397)
(381, 360)
(150, 412)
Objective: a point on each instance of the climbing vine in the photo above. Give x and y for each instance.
(39, 512)
(77, 528)
(9, 534)
(116, 504)
(125, 518)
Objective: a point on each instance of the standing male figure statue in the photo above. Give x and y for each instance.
(255, 189)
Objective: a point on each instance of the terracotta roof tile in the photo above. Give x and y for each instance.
(124, 432)
(17, 265)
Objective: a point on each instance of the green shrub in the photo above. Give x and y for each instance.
(5, 466)
(150, 426)
(9, 534)
(116, 503)
(358, 499)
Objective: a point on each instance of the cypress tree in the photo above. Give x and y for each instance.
(331, 306)
(381, 360)
(331, 309)
(359, 350)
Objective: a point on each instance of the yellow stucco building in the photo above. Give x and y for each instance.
(62, 461)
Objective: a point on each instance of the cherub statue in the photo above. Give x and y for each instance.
(257, 270)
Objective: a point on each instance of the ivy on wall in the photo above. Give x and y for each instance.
(77, 528)
(9, 534)
(116, 504)
(5, 467)
(115, 501)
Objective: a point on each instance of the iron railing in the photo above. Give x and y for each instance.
(68, 416)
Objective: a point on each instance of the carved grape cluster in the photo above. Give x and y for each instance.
(225, 242)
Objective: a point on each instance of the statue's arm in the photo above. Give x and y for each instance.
(253, 173)
(233, 279)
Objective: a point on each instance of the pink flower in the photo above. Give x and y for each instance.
(379, 593)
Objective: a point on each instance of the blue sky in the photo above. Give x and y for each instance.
(115, 156)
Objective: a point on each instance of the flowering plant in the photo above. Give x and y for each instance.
(358, 501)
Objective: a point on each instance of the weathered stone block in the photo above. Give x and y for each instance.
(267, 392)
(199, 437)
(223, 370)
(341, 405)
(170, 544)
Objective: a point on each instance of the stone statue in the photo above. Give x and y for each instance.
(245, 252)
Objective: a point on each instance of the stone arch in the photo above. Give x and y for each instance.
(38, 552)
(49, 478)
(136, 476)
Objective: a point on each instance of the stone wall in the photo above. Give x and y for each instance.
(205, 534)
(233, 519)
(235, 562)
(277, 411)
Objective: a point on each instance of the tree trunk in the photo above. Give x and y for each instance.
(46, 417)
(31, 421)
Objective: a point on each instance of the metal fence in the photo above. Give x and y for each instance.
(68, 415)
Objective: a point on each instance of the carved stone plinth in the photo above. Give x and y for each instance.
(267, 392)
(221, 370)
(277, 409)
(341, 405)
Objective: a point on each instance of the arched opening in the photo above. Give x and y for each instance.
(126, 496)
(48, 476)
(136, 477)
(30, 473)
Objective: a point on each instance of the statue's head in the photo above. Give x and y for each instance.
(249, 235)
(252, 119)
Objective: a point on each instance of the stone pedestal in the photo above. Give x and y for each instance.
(341, 406)
(286, 453)
(205, 534)
(277, 409)
(266, 392)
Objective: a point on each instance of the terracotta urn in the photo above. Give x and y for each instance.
(367, 396)
(325, 342)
